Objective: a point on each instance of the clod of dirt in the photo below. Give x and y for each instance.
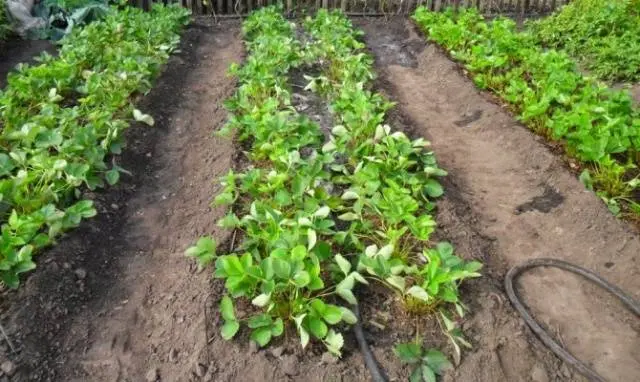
(80, 273)
(200, 370)
(277, 351)
(538, 374)
(152, 375)
(290, 365)
(173, 355)
(329, 358)
(8, 368)
(253, 347)
(544, 203)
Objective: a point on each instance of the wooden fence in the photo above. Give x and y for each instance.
(234, 8)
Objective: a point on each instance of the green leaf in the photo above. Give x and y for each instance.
(229, 329)
(350, 195)
(409, 352)
(343, 264)
(418, 292)
(277, 328)
(304, 336)
(311, 239)
(334, 342)
(433, 188)
(144, 118)
(437, 361)
(259, 321)
(204, 251)
(332, 314)
(585, 178)
(226, 309)
(298, 253)
(386, 251)
(416, 375)
(347, 295)
(281, 268)
(301, 279)
(112, 176)
(318, 306)
(348, 316)
(348, 216)
(230, 220)
(427, 374)
(261, 300)
(322, 212)
(261, 336)
(316, 283)
(397, 282)
(317, 327)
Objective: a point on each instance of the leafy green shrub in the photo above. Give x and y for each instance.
(603, 35)
(63, 117)
(598, 125)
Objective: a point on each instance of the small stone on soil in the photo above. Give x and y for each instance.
(173, 355)
(201, 370)
(329, 358)
(538, 374)
(277, 352)
(253, 347)
(152, 375)
(290, 365)
(81, 273)
(8, 368)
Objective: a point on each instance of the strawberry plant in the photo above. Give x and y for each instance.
(427, 363)
(60, 126)
(601, 35)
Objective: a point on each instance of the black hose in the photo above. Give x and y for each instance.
(377, 375)
(563, 354)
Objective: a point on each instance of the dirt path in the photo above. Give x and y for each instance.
(525, 203)
(116, 300)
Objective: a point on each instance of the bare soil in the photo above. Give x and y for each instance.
(635, 93)
(510, 198)
(116, 300)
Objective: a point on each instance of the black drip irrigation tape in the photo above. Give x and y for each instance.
(542, 334)
(377, 374)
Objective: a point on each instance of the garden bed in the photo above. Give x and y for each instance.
(116, 299)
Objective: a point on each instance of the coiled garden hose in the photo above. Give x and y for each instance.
(377, 375)
(563, 354)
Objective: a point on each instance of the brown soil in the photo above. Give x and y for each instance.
(635, 93)
(509, 198)
(15, 51)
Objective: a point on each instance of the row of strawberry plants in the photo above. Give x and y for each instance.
(603, 36)
(62, 118)
(317, 216)
(597, 125)
(390, 182)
